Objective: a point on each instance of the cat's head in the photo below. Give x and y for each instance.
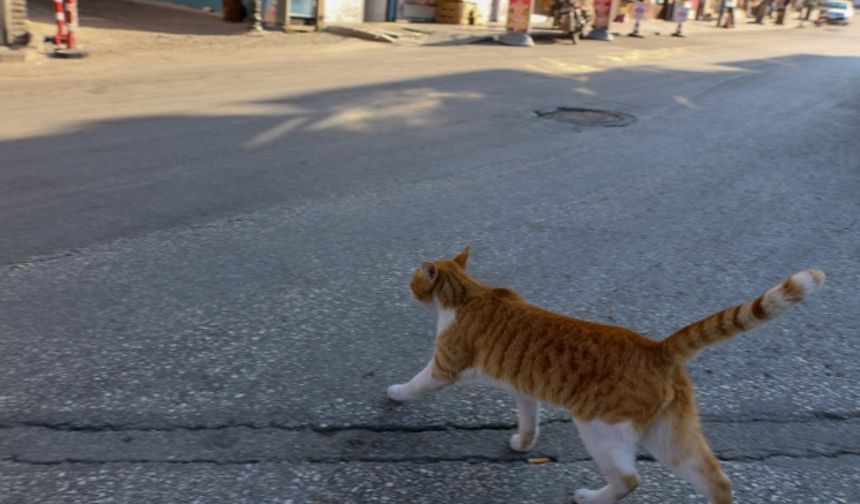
(426, 278)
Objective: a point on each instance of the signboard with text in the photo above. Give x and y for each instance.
(602, 9)
(519, 15)
(270, 12)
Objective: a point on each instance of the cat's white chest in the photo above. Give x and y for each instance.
(444, 317)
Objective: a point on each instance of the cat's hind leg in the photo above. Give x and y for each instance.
(528, 423)
(677, 442)
(422, 383)
(613, 448)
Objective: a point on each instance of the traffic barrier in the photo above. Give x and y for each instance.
(60, 16)
(71, 22)
(66, 42)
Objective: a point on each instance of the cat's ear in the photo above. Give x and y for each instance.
(429, 270)
(463, 257)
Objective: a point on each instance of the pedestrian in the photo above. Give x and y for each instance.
(809, 5)
(761, 10)
(822, 18)
(730, 13)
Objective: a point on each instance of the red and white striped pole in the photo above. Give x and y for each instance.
(60, 16)
(66, 12)
(71, 21)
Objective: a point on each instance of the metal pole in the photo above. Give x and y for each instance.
(320, 18)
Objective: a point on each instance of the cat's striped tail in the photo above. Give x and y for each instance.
(721, 326)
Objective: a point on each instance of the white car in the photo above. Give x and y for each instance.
(837, 11)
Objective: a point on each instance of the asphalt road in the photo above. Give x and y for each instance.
(205, 294)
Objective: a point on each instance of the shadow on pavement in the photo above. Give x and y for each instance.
(123, 177)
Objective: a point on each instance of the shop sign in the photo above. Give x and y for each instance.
(601, 13)
(519, 15)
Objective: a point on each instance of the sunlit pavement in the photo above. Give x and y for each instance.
(206, 256)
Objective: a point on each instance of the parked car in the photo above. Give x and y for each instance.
(837, 11)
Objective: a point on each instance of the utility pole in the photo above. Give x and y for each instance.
(320, 19)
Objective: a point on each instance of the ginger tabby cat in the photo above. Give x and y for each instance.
(624, 390)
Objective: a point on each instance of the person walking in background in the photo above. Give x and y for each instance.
(730, 13)
(809, 5)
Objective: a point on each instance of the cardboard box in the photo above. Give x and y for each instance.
(457, 12)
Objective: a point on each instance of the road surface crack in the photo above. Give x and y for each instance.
(416, 460)
(809, 417)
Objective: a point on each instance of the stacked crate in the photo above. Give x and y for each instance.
(459, 12)
(13, 22)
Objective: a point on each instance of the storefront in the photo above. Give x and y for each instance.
(474, 12)
(338, 11)
(301, 9)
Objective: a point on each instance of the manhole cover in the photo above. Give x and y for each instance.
(587, 117)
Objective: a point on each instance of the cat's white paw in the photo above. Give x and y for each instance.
(522, 443)
(398, 392)
(584, 496)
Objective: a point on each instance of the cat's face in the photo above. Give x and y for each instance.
(426, 277)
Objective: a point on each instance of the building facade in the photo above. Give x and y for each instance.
(13, 22)
(345, 11)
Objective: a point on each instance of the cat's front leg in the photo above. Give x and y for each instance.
(422, 383)
(528, 423)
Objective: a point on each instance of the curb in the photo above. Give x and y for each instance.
(348, 31)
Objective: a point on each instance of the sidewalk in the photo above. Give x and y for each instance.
(408, 33)
(144, 30)
(432, 34)
(692, 28)
(123, 27)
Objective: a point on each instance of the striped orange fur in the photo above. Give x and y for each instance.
(622, 388)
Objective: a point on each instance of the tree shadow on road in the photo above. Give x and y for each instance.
(121, 177)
